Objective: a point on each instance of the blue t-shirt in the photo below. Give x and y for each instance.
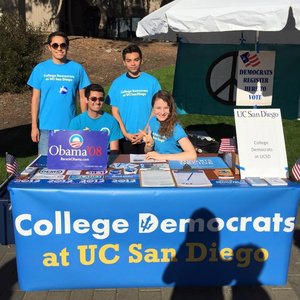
(58, 84)
(165, 145)
(104, 123)
(133, 96)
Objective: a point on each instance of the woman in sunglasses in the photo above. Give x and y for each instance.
(55, 83)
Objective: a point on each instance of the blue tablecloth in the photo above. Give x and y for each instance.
(102, 236)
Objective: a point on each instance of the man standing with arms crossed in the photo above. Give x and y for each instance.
(55, 83)
(130, 96)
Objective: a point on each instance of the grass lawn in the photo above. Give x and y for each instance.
(165, 76)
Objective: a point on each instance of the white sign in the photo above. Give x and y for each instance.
(261, 143)
(255, 74)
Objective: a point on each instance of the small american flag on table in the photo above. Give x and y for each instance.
(296, 170)
(11, 164)
(227, 145)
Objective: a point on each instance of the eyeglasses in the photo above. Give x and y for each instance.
(62, 46)
(94, 99)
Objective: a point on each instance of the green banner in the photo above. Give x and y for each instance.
(205, 78)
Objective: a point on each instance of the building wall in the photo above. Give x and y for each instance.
(42, 14)
(37, 13)
(45, 13)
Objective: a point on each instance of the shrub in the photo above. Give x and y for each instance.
(20, 49)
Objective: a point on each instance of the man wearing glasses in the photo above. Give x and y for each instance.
(55, 84)
(96, 119)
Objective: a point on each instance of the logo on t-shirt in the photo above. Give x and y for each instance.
(158, 137)
(63, 90)
(76, 140)
(105, 129)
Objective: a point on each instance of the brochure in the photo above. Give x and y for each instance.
(230, 183)
(45, 173)
(141, 158)
(39, 162)
(28, 172)
(86, 177)
(154, 166)
(224, 173)
(275, 181)
(122, 165)
(256, 181)
(209, 162)
(122, 178)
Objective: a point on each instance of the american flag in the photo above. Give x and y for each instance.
(227, 145)
(250, 60)
(11, 164)
(296, 170)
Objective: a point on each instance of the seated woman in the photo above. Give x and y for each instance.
(164, 134)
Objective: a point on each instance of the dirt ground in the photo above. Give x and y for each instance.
(102, 60)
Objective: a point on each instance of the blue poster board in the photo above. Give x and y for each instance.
(77, 150)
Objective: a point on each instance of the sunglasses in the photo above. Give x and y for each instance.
(94, 99)
(62, 46)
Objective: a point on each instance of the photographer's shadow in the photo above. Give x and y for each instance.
(199, 272)
(195, 268)
(246, 271)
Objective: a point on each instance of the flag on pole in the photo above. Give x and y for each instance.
(296, 170)
(227, 145)
(11, 164)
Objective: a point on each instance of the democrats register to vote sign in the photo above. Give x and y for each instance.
(261, 143)
(77, 150)
(255, 75)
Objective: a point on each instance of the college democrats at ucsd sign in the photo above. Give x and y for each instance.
(77, 150)
(135, 237)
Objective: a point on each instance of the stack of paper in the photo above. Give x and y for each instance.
(156, 178)
(196, 178)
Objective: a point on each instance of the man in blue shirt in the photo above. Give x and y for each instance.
(130, 96)
(55, 83)
(96, 119)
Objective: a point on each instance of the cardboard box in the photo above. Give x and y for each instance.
(232, 160)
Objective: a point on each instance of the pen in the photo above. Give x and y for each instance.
(190, 176)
